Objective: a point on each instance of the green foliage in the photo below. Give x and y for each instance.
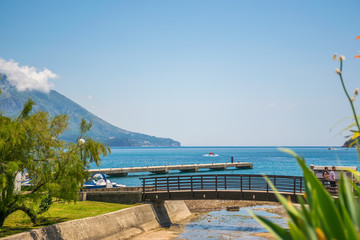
(321, 215)
(84, 127)
(30, 144)
(59, 212)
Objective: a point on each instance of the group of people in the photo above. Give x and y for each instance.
(329, 178)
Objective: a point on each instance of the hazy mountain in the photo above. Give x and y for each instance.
(11, 103)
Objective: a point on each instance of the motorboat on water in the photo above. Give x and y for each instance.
(211, 154)
(99, 180)
(25, 181)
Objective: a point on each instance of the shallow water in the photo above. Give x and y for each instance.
(230, 225)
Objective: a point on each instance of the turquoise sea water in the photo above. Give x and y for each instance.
(266, 160)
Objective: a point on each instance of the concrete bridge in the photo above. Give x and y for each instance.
(227, 187)
(121, 172)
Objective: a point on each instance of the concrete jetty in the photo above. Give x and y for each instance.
(122, 172)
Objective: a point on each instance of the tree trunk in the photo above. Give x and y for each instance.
(31, 213)
(3, 215)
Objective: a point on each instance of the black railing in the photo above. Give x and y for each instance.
(288, 184)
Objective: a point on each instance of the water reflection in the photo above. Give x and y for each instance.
(230, 225)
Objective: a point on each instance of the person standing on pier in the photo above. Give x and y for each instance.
(332, 177)
(232, 159)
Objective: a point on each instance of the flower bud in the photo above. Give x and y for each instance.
(353, 99)
(341, 58)
(356, 92)
(334, 56)
(320, 234)
(338, 71)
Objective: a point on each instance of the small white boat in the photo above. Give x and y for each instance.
(211, 154)
(25, 181)
(98, 180)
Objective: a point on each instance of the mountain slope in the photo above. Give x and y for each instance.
(11, 103)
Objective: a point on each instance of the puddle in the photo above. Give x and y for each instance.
(230, 225)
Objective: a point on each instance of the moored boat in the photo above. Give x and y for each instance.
(99, 180)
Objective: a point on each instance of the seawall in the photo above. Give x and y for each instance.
(124, 197)
(121, 224)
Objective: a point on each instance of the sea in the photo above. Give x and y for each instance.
(265, 160)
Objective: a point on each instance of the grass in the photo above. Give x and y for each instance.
(59, 212)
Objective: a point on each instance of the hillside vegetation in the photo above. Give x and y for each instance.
(12, 101)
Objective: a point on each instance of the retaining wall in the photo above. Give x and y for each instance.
(124, 197)
(121, 224)
(177, 210)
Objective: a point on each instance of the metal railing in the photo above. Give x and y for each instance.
(289, 184)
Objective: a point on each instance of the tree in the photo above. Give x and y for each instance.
(30, 144)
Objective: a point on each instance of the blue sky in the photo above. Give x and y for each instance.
(219, 73)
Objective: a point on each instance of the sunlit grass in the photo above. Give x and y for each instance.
(58, 212)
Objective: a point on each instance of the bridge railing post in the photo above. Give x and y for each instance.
(294, 186)
(216, 183)
(249, 182)
(143, 190)
(225, 182)
(155, 184)
(202, 183)
(167, 183)
(191, 183)
(241, 184)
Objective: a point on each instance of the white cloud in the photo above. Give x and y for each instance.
(25, 77)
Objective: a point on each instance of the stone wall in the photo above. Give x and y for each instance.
(115, 189)
(124, 197)
(121, 224)
(177, 210)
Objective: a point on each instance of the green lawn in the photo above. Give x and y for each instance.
(58, 212)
